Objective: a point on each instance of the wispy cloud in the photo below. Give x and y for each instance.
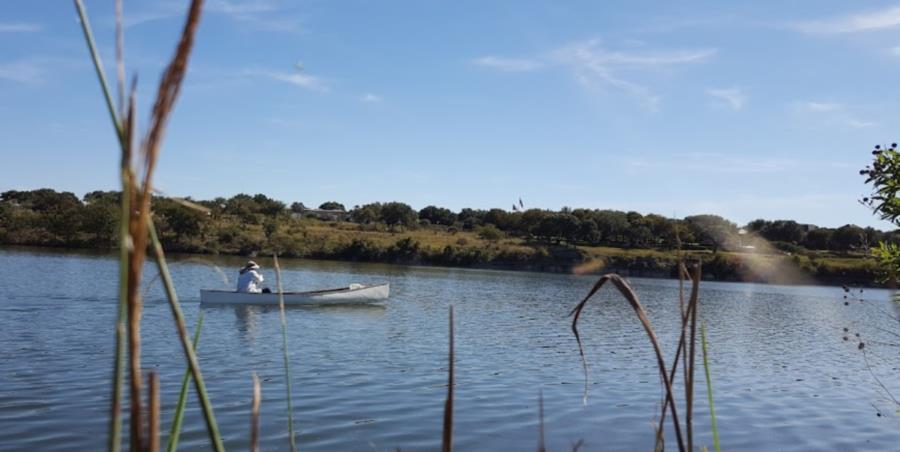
(733, 97)
(597, 67)
(370, 98)
(832, 113)
(820, 107)
(19, 27)
(259, 14)
(852, 23)
(23, 71)
(242, 7)
(309, 82)
(508, 64)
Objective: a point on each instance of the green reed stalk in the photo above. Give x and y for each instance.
(98, 66)
(208, 414)
(447, 437)
(284, 348)
(709, 393)
(115, 420)
(175, 432)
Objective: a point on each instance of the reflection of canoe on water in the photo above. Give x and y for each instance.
(354, 294)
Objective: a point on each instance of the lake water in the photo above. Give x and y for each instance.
(374, 378)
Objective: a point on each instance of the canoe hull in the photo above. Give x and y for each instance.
(354, 294)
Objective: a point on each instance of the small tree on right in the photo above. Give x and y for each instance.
(883, 174)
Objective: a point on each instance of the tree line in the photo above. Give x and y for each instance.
(51, 218)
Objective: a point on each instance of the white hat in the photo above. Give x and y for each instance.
(251, 264)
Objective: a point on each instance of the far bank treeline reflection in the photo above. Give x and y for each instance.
(394, 232)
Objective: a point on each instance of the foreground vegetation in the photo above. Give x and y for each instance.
(582, 240)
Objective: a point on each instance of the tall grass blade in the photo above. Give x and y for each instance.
(709, 391)
(628, 293)
(681, 349)
(254, 415)
(120, 57)
(153, 389)
(186, 345)
(98, 66)
(447, 437)
(115, 419)
(689, 381)
(175, 431)
(284, 349)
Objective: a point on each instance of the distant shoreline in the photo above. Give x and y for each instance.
(722, 267)
(590, 241)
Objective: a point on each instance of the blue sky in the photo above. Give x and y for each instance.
(744, 109)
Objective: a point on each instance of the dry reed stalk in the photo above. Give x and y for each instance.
(689, 383)
(186, 345)
(284, 344)
(153, 389)
(687, 367)
(686, 315)
(139, 219)
(628, 293)
(136, 205)
(447, 437)
(254, 415)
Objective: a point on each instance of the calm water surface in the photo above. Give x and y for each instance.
(374, 378)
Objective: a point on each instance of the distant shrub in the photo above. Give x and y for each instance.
(490, 233)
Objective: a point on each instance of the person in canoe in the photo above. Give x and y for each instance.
(250, 279)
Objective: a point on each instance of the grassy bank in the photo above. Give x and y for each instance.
(446, 246)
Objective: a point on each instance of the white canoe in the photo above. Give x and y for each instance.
(354, 294)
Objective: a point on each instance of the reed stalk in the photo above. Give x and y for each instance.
(447, 437)
(178, 418)
(153, 391)
(685, 316)
(631, 297)
(186, 345)
(284, 348)
(709, 392)
(136, 212)
(689, 382)
(115, 419)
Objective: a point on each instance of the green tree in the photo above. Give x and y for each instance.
(500, 218)
(883, 174)
(438, 215)
(332, 205)
(490, 233)
(398, 214)
(819, 239)
(471, 217)
(847, 237)
(712, 230)
(366, 214)
(100, 218)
